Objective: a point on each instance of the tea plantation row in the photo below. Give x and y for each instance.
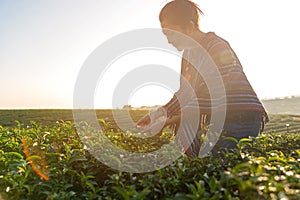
(40, 162)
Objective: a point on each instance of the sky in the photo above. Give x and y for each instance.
(43, 45)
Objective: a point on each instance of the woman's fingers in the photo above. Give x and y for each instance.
(143, 121)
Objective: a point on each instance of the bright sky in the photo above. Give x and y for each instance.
(43, 45)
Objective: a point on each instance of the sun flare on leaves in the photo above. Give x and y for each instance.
(35, 158)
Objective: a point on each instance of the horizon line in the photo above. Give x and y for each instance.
(110, 108)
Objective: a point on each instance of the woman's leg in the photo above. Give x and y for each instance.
(185, 125)
(238, 130)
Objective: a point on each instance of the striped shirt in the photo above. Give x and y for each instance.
(212, 78)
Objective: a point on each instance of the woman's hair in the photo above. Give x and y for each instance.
(180, 12)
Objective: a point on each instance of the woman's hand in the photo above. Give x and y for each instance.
(173, 122)
(151, 117)
(144, 121)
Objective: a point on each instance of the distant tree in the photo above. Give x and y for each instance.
(127, 107)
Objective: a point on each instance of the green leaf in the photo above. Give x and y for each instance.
(15, 154)
(77, 158)
(271, 159)
(121, 192)
(34, 157)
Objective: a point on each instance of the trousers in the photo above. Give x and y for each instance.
(237, 125)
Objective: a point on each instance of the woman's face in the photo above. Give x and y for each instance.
(176, 35)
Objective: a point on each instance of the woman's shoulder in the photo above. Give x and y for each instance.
(211, 38)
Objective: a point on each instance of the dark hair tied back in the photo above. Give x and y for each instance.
(180, 12)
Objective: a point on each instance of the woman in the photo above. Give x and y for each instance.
(245, 114)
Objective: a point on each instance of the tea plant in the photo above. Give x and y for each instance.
(266, 167)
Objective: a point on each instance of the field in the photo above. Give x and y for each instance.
(49, 117)
(287, 105)
(43, 158)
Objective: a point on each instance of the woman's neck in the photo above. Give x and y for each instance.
(197, 36)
